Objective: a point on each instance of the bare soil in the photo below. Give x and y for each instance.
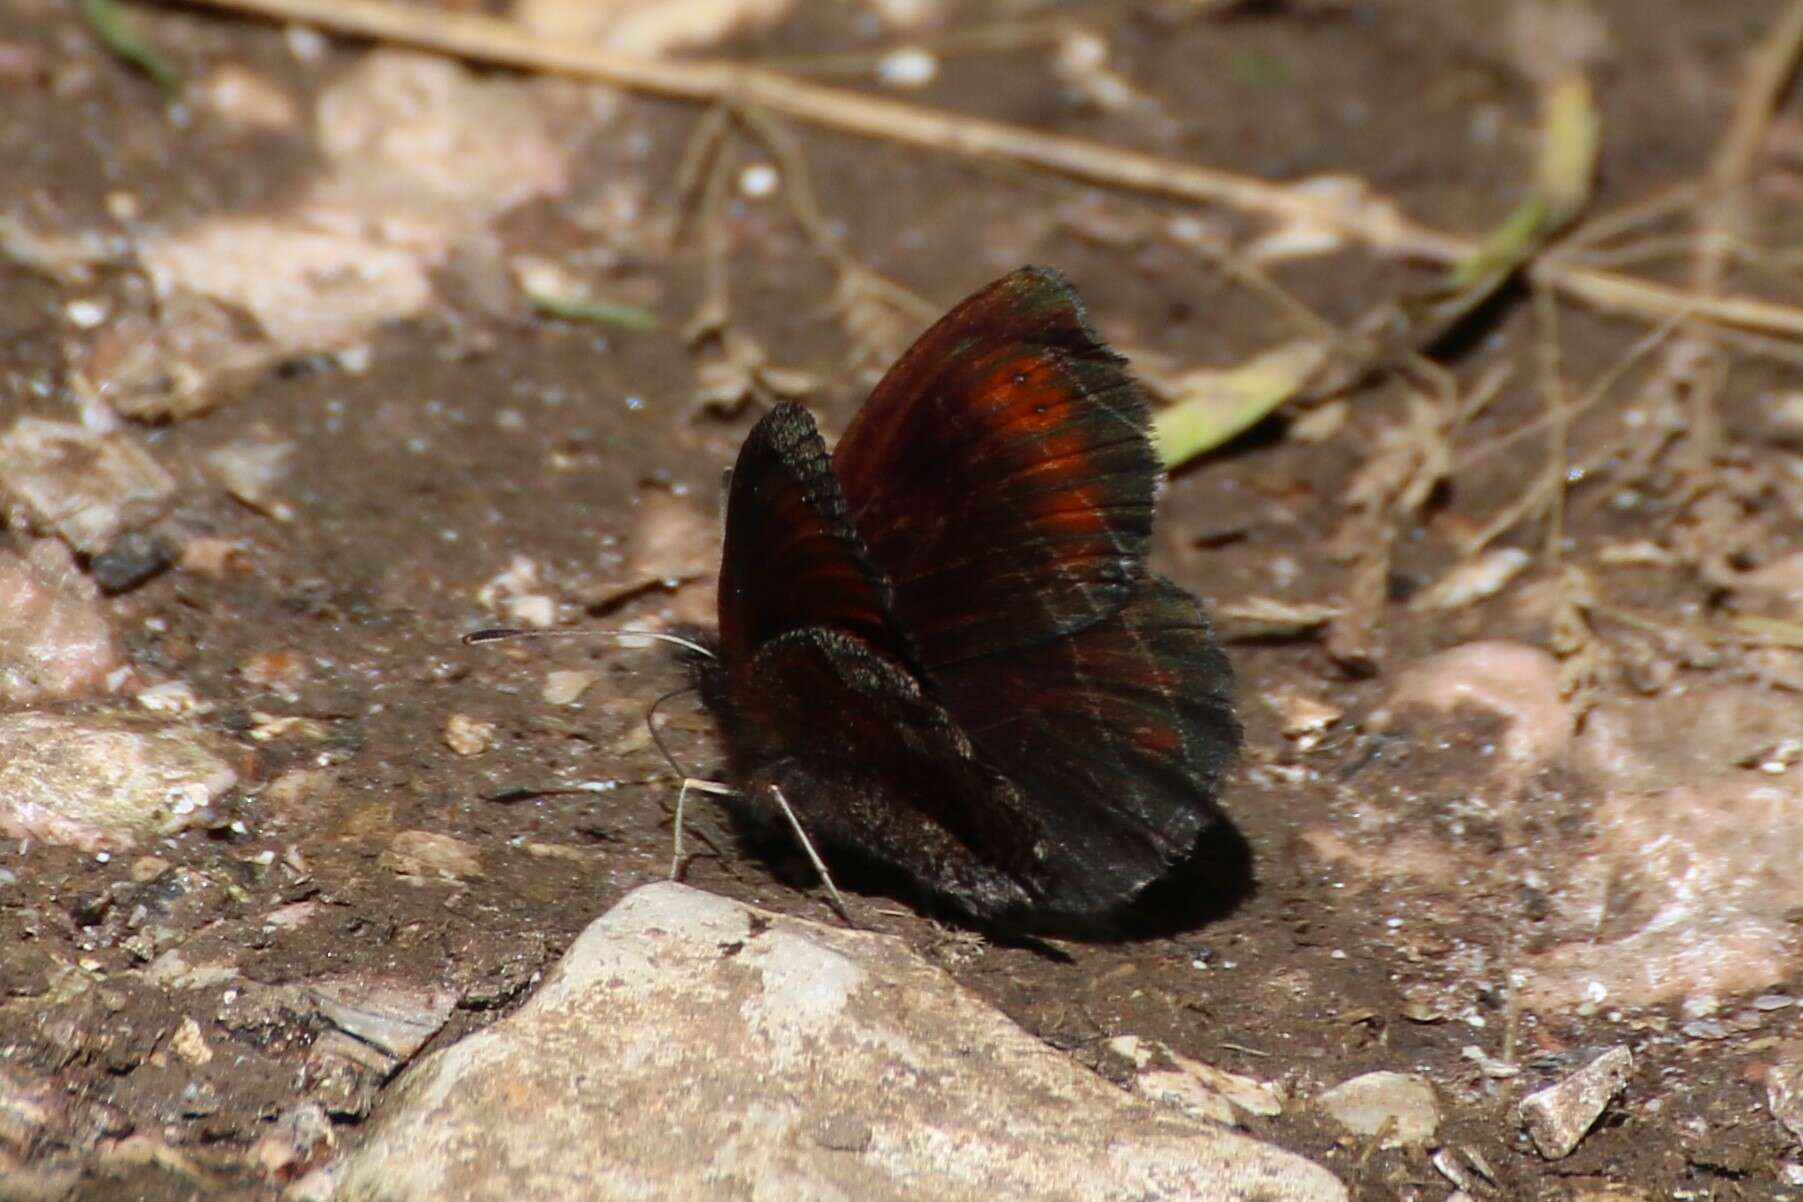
(410, 489)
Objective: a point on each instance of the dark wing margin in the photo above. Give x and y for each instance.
(791, 560)
(1121, 735)
(1000, 475)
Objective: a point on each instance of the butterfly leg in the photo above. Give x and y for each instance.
(807, 845)
(700, 786)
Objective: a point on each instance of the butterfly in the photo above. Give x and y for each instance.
(939, 646)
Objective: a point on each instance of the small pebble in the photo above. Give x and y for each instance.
(469, 736)
(566, 687)
(86, 487)
(85, 314)
(1400, 1105)
(758, 181)
(145, 869)
(190, 1044)
(305, 43)
(908, 67)
(426, 853)
(133, 558)
(173, 697)
(248, 100)
(1558, 1117)
(390, 1016)
(280, 670)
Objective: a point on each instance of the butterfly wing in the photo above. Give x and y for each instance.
(791, 560)
(1000, 474)
(1120, 734)
(819, 698)
(871, 764)
(941, 643)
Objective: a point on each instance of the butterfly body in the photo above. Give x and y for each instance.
(940, 643)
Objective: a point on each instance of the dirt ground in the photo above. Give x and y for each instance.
(471, 433)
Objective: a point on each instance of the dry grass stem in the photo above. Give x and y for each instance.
(1582, 654)
(1601, 390)
(1675, 201)
(877, 313)
(1774, 64)
(1558, 418)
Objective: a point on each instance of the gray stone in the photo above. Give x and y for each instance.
(688, 1047)
(394, 1018)
(1400, 1107)
(1558, 1116)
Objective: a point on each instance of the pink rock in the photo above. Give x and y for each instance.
(105, 782)
(1681, 893)
(1518, 683)
(1683, 736)
(56, 642)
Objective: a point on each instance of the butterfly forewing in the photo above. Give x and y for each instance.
(791, 560)
(1000, 474)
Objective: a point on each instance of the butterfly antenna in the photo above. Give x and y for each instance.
(496, 634)
(657, 736)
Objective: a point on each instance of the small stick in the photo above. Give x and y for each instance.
(1558, 418)
(998, 38)
(1598, 392)
(1598, 231)
(1773, 66)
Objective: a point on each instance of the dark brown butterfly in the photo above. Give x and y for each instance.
(940, 644)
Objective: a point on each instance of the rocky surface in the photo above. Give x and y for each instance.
(688, 1047)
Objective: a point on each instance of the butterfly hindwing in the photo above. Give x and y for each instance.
(1000, 474)
(869, 762)
(1119, 733)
